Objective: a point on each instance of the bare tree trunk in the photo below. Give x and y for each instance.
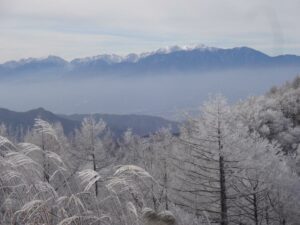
(166, 185)
(45, 161)
(267, 216)
(94, 158)
(95, 169)
(224, 216)
(255, 208)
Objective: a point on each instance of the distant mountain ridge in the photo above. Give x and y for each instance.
(143, 125)
(172, 59)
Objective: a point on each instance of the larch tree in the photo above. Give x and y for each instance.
(90, 148)
(3, 130)
(131, 147)
(44, 136)
(219, 151)
(284, 196)
(207, 142)
(258, 163)
(157, 159)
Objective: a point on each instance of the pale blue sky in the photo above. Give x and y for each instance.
(79, 28)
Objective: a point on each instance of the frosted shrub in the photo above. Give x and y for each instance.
(150, 217)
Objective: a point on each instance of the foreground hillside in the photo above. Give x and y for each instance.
(276, 115)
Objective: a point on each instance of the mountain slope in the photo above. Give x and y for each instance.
(19, 122)
(139, 124)
(174, 59)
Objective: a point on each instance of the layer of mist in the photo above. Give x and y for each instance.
(166, 95)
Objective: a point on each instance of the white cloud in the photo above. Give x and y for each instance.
(72, 28)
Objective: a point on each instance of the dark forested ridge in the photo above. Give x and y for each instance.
(142, 125)
(19, 123)
(25, 120)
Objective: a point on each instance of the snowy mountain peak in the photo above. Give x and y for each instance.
(51, 59)
(177, 48)
(107, 58)
(133, 57)
(173, 58)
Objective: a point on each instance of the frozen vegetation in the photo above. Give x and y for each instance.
(231, 164)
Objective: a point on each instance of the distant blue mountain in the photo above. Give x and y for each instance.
(174, 59)
(32, 65)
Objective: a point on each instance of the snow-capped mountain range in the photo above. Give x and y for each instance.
(171, 59)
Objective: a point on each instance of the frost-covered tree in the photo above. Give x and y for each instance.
(132, 147)
(44, 136)
(157, 159)
(275, 116)
(3, 130)
(208, 143)
(283, 195)
(225, 166)
(258, 163)
(90, 148)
